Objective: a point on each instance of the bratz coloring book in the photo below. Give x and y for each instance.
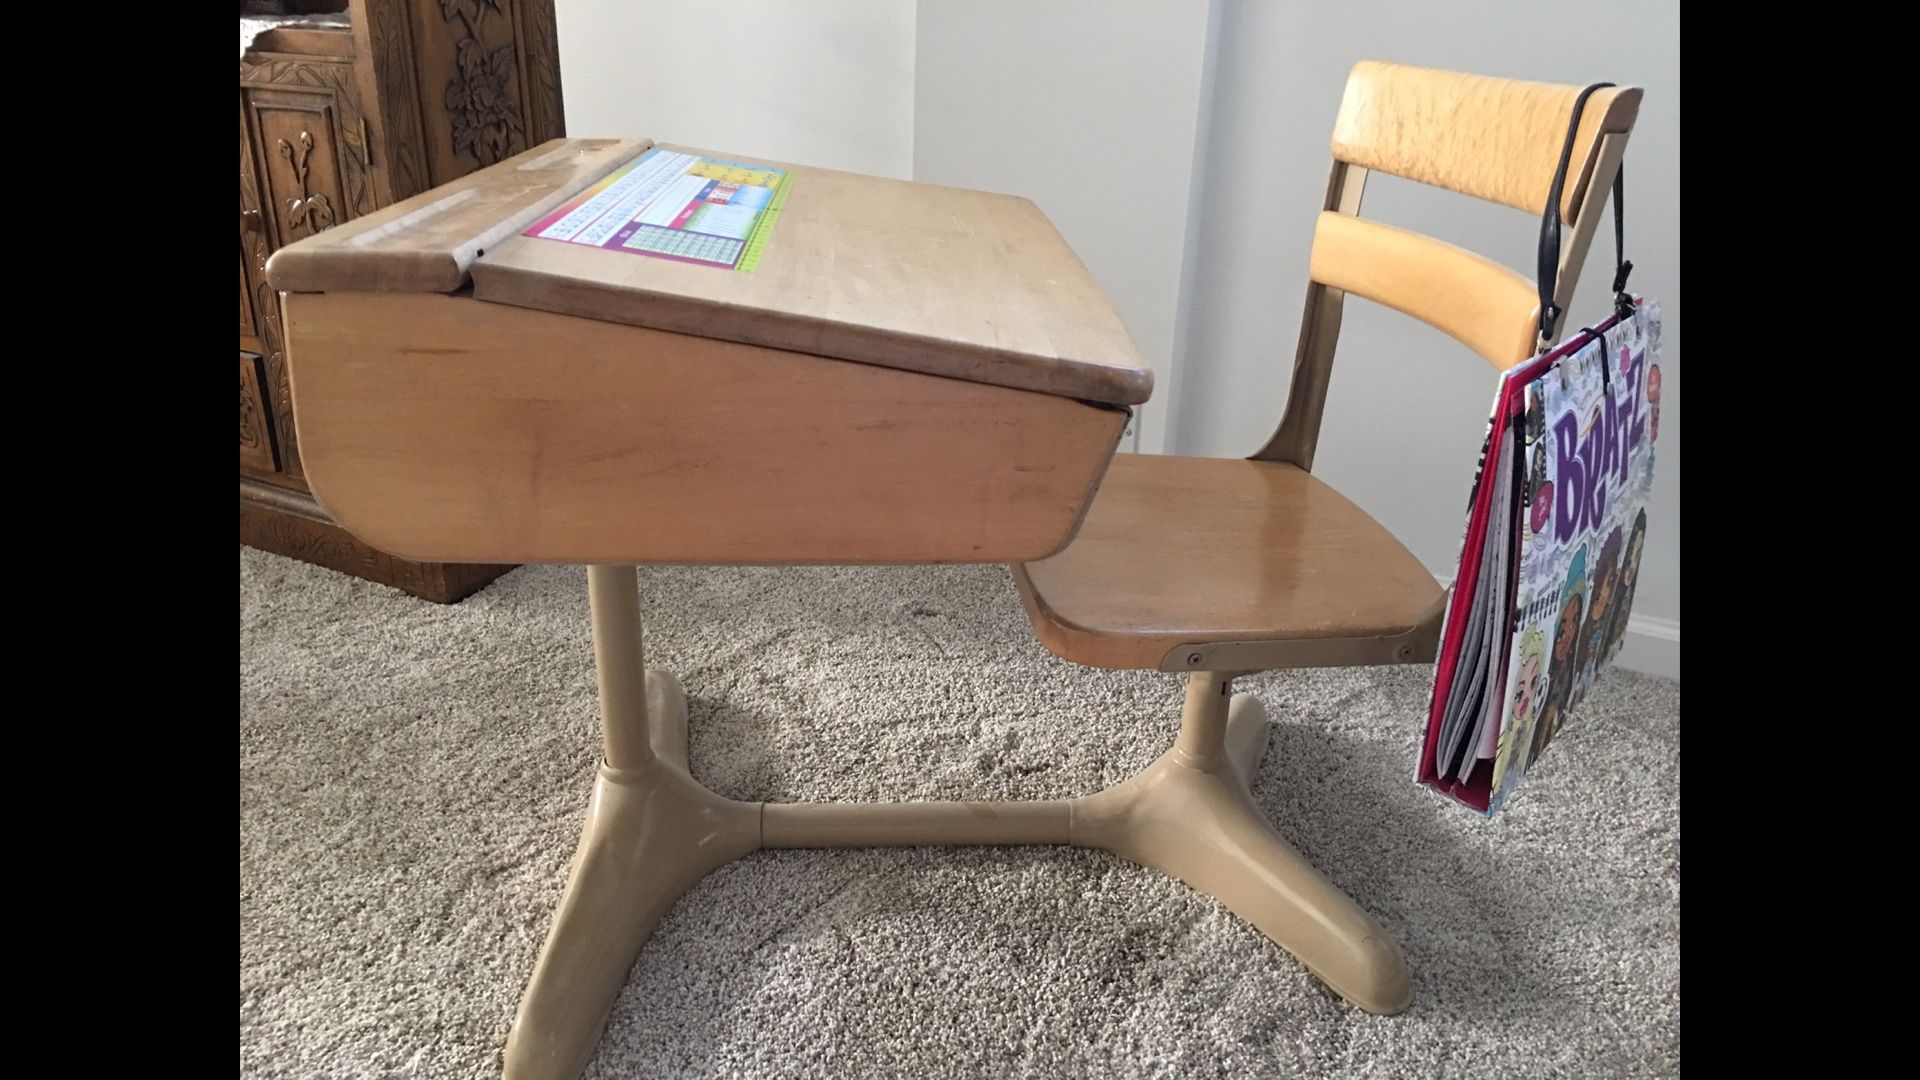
(1588, 433)
(1555, 529)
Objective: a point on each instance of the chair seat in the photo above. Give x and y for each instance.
(1183, 552)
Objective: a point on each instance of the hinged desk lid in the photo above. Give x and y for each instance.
(932, 279)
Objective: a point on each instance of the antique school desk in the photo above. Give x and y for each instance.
(911, 374)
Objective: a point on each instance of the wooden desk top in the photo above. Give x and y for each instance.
(428, 243)
(920, 277)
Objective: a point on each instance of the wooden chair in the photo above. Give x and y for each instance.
(1219, 567)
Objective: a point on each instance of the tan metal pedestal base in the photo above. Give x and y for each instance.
(653, 832)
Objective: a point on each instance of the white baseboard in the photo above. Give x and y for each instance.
(1651, 647)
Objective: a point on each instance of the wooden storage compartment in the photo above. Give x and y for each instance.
(631, 445)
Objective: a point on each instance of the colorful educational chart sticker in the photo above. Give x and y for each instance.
(676, 206)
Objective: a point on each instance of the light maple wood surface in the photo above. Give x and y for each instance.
(1495, 139)
(446, 428)
(1491, 308)
(426, 243)
(1180, 551)
(1485, 306)
(925, 278)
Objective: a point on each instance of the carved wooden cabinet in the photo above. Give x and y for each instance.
(341, 114)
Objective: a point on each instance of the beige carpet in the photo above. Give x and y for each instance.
(413, 779)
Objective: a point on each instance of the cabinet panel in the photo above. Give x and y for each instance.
(287, 95)
(256, 431)
(473, 84)
(299, 162)
(256, 243)
(249, 334)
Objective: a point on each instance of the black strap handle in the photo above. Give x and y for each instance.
(1549, 267)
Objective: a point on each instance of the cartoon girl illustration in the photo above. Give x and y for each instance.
(1653, 399)
(1529, 683)
(1561, 668)
(1629, 581)
(1541, 511)
(1600, 608)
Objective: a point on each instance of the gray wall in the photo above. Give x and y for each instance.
(826, 82)
(1094, 117)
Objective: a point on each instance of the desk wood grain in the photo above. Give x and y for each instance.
(924, 278)
(443, 428)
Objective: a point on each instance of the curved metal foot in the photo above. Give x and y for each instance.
(652, 833)
(1190, 815)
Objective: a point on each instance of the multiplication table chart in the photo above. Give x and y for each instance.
(674, 205)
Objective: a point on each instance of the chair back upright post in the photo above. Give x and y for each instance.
(1494, 139)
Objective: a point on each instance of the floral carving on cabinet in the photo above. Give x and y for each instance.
(308, 210)
(470, 10)
(482, 106)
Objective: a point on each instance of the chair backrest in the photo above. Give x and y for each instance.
(1495, 139)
